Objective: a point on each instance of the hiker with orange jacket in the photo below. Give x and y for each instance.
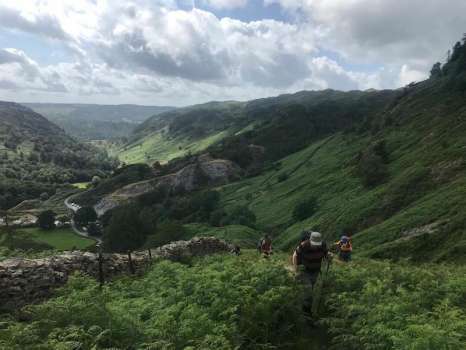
(345, 248)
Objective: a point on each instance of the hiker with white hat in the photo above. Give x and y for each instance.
(310, 254)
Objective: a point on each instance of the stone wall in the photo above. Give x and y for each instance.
(23, 281)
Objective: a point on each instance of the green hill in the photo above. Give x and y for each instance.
(36, 156)
(96, 122)
(398, 187)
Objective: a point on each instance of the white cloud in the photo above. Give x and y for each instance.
(225, 4)
(151, 51)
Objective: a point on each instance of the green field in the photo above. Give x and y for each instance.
(81, 185)
(160, 147)
(59, 239)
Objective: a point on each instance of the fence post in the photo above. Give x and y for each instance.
(130, 262)
(101, 269)
(150, 256)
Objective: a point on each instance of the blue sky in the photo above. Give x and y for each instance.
(171, 52)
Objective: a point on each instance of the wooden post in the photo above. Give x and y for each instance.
(150, 255)
(130, 262)
(101, 268)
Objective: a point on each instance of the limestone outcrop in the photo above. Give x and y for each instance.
(204, 172)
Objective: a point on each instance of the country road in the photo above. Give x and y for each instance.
(73, 207)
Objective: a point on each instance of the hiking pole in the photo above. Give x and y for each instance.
(318, 292)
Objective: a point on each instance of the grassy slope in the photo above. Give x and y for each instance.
(428, 136)
(159, 147)
(244, 236)
(59, 239)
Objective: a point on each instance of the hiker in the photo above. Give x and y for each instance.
(310, 254)
(345, 248)
(265, 246)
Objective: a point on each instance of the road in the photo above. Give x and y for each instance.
(73, 207)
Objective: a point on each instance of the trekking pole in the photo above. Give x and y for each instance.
(318, 292)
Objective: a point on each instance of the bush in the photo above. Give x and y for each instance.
(85, 215)
(241, 215)
(125, 231)
(46, 220)
(282, 177)
(372, 166)
(166, 232)
(305, 209)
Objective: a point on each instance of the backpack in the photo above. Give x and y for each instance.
(346, 247)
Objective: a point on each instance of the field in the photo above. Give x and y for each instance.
(159, 147)
(81, 185)
(35, 240)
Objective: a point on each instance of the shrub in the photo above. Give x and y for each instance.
(282, 177)
(125, 231)
(241, 215)
(85, 215)
(46, 220)
(166, 232)
(305, 209)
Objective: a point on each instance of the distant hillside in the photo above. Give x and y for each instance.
(36, 155)
(97, 122)
(283, 124)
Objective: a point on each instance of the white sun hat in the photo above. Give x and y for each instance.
(316, 239)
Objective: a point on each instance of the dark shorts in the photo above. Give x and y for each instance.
(345, 256)
(308, 278)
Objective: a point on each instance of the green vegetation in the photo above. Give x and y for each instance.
(229, 302)
(59, 238)
(242, 235)
(378, 305)
(31, 241)
(37, 157)
(96, 122)
(160, 147)
(216, 303)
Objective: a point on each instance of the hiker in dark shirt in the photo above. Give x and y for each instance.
(310, 254)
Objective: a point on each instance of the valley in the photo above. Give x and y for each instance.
(387, 168)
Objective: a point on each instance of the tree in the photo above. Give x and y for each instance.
(436, 71)
(166, 232)
(241, 215)
(44, 196)
(94, 230)
(46, 220)
(125, 232)
(85, 215)
(305, 209)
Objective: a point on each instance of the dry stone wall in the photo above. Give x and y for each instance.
(23, 281)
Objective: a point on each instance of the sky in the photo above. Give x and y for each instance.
(182, 52)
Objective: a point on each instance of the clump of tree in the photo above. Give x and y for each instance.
(241, 215)
(165, 233)
(305, 209)
(372, 164)
(85, 215)
(126, 230)
(46, 220)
